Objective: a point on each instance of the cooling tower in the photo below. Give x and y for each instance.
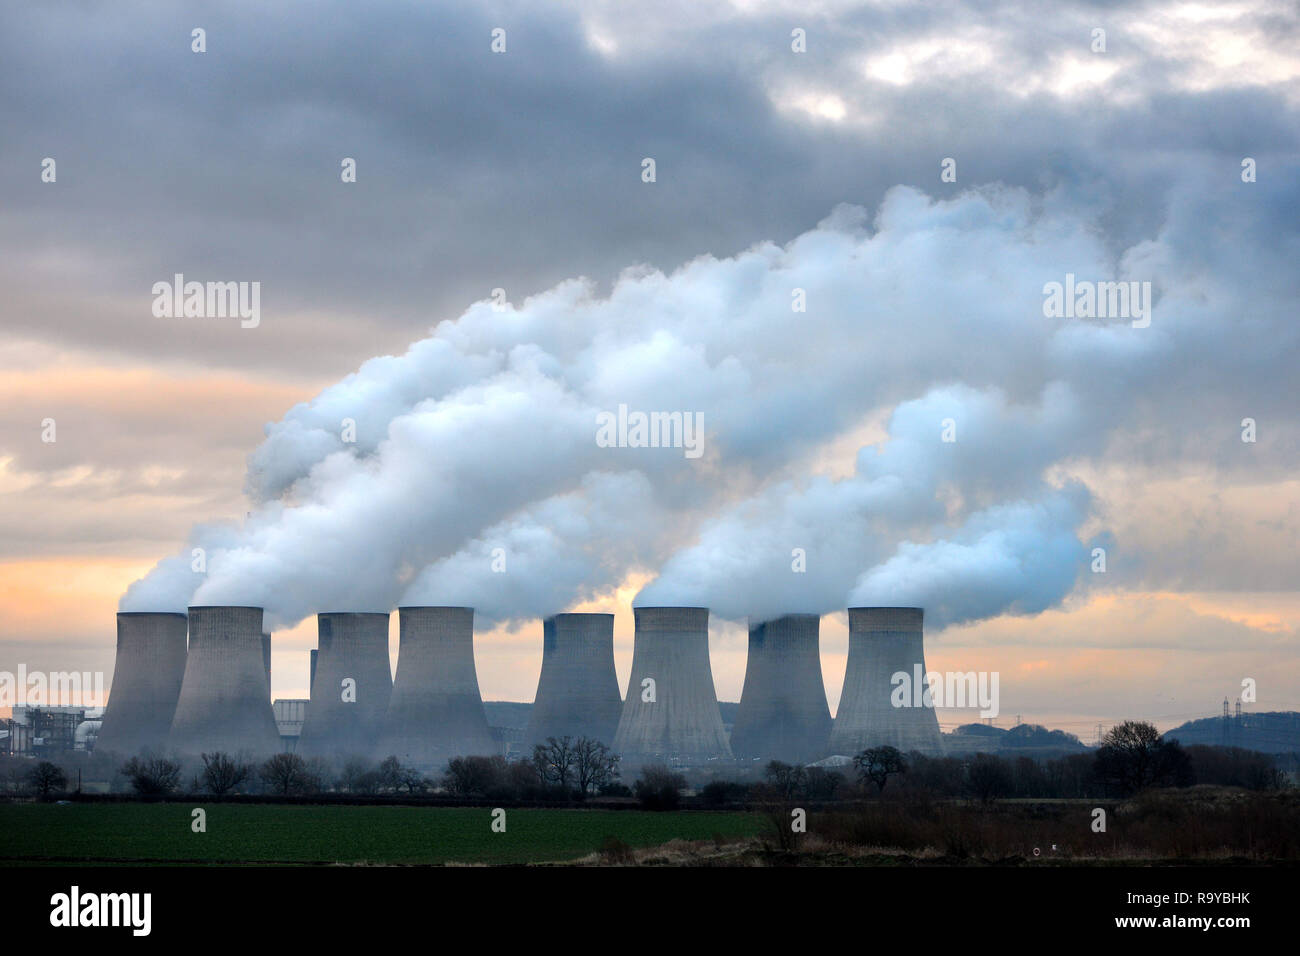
(884, 641)
(671, 648)
(435, 712)
(577, 694)
(225, 701)
(350, 688)
(783, 713)
(146, 682)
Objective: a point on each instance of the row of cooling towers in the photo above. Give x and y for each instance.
(215, 695)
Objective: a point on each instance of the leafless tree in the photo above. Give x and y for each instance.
(790, 780)
(878, 764)
(474, 776)
(223, 773)
(152, 776)
(554, 761)
(45, 778)
(594, 765)
(285, 774)
(1134, 756)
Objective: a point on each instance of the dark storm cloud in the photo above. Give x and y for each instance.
(479, 170)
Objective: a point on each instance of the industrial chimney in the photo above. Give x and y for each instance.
(147, 679)
(884, 641)
(435, 712)
(225, 701)
(783, 713)
(577, 694)
(351, 686)
(671, 709)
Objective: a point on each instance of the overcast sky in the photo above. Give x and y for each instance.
(522, 171)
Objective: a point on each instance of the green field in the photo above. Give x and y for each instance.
(263, 833)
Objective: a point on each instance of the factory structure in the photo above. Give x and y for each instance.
(199, 683)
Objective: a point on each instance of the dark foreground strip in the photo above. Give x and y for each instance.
(336, 904)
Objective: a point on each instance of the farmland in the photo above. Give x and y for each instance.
(265, 833)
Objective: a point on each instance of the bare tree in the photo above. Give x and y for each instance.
(474, 776)
(285, 774)
(223, 773)
(152, 776)
(390, 774)
(554, 761)
(659, 788)
(790, 780)
(45, 778)
(594, 765)
(988, 776)
(1133, 756)
(878, 764)
(358, 776)
(412, 780)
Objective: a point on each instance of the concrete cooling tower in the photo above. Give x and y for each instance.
(783, 713)
(577, 694)
(671, 648)
(225, 701)
(351, 686)
(435, 712)
(884, 641)
(147, 679)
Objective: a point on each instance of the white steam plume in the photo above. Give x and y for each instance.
(482, 436)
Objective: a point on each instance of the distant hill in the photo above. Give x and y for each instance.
(1030, 740)
(1273, 732)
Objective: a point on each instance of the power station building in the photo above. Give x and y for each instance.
(225, 699)
(351, 686)
(435, 712)
(671, 707)
(577, 693)
(783, 713)
(147, 676)
(884, 641)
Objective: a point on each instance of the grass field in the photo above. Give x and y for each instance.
(261, 833)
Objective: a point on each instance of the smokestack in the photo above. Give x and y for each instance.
(884, 641)
(671, 648)
(225, 701)
(147, 679)
(266, 659)
(311, 677)
(435, 712)
(577, 694)
(783, 713)
(351, 686)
